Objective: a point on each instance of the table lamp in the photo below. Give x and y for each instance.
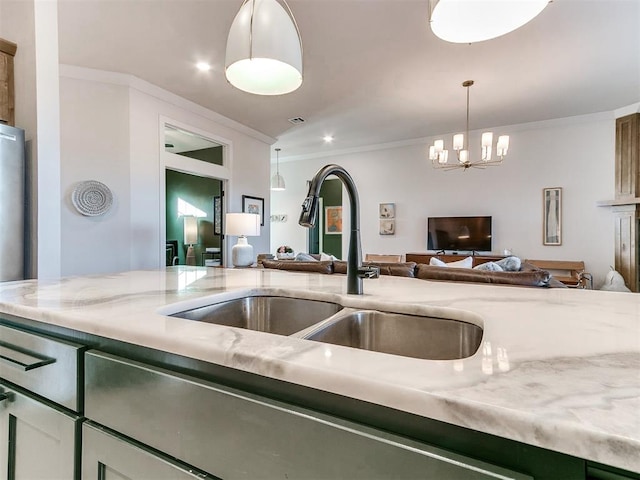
(190, 237)
(242, 225)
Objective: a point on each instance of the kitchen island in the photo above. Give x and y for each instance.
(557, 369)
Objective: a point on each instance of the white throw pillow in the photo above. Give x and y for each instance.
(464, 263)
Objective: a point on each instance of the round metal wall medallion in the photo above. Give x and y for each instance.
(92, 198)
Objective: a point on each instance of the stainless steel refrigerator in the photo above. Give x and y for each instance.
(12, 203)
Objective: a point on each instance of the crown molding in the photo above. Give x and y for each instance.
(135, 83)
(555, 122)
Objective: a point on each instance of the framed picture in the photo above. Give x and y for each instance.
(387, 227)
(217, 215)
(552, 216)
(333, 220)
(253, 205)
(387, 210)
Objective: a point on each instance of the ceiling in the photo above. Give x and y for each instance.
(373, 71)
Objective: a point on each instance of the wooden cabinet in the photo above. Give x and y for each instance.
(7, 95)
(628, 157)
(627, 244)
(627, 200)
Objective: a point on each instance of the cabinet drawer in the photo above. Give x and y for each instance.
(236, 435)
(46, 366)
(106, 456)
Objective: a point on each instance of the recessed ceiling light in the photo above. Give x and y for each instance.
(327, 138)
(203, 66)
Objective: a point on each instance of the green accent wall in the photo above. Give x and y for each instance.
(331, 194)
(209, 155)
(199, 192)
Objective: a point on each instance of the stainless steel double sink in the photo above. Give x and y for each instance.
(416, 336)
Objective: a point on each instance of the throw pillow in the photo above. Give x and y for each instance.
(510, 264)
(464, 263)
(614, 282)
(489, 267)
(325, 257)
(305, 257)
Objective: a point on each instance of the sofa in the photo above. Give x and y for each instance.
(527, 275)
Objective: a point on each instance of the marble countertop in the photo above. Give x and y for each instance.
(557, 368)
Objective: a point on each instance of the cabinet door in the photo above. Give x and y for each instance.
(37, 441)
(7, 101)
(106, 456)
(626, 244)
(628, 157)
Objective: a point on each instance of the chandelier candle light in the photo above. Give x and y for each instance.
(439, 156)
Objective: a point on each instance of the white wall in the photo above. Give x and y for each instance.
(575, 153)
(33, 26)
(95, 147)
(111, 133)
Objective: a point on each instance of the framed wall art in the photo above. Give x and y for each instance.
(253, 205)
(552, 216)
(387, 210)
(387, 226)
(333, 220)
(217, 215)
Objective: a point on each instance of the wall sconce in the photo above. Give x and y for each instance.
(242, 225)
(190, 237)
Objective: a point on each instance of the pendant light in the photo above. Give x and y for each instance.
(264, 50)
(277, 181)
(470, 21)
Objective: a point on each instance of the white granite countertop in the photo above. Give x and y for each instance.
(557, 368)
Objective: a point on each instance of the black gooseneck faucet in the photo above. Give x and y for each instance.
(355, 271)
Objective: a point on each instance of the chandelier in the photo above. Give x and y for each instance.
(439, 156)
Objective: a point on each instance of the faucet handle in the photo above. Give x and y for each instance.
(368, 272)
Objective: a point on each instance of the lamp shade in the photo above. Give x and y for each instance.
(277, 182)
(264, 51)
(242, 224)
(469, 21)
(190, 230)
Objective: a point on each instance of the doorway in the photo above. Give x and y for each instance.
(193, 218)
(321, 239)
(196, 171)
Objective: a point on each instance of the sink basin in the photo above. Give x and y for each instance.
(280, 315)
(407, 335)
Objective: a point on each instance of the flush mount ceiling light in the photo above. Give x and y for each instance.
(439, 156)
(277, 181)
(264, 50)
(469, 21)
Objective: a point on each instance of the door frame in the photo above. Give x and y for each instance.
(191, 166)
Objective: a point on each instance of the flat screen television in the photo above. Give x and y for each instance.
(472, 234)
